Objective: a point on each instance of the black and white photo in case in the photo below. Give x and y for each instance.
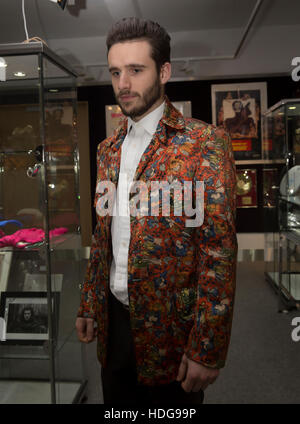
(26, 316)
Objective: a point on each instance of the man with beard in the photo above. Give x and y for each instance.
(28, 323)
(158, 293)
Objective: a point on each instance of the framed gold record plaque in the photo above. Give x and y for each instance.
(246, 188)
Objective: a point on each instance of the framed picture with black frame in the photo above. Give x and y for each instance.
(26, 317)
(239, 108)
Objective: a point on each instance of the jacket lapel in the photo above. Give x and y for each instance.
(158, 139)
(114, 154)
(171, 119)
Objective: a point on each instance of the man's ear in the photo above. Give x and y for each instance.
(165, 72)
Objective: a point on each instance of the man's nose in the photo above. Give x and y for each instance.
(124, 81)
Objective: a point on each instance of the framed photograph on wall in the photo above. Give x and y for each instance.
(26, 317)
(239, 108)
(113, 118)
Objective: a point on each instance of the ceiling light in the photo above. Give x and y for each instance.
(20, 74)
(292, 107)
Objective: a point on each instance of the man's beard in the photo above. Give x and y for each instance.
(150, 96)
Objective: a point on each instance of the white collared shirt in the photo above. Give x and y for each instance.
(139, 135)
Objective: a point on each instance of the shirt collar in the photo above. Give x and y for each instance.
(171, 118)
(150, 121)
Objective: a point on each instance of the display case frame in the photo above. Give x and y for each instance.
(282, 267)
(40, 162)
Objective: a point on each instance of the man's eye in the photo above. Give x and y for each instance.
(115, 74)
(135, 70)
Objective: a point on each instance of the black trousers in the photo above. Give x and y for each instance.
(119, 377)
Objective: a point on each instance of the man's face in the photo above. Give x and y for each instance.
(237, 106)
(27, 314)
(137, 86)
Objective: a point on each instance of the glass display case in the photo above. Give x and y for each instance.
(282, 200)
(40, 242)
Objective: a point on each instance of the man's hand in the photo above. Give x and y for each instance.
(194, 376)
(85, 329)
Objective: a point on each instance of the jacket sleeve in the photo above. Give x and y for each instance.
(88, 302)
(216, 253)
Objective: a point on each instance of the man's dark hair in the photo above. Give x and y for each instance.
(134, 28)
(27, 308)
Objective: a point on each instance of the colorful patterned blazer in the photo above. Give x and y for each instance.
(181, 280)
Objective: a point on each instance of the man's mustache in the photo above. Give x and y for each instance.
(127, 93)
